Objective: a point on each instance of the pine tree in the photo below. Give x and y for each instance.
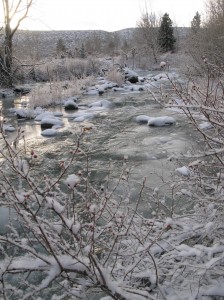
(166, 38)
(196, 23)
(60, 47)
(82, 52)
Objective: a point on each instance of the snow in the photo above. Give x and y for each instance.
(160, 76)
(142, 119)
(214, 291)
(101, 103)
(9, 128)
(82, 116)
(72, 180)
(186, 251)
(76, 227)
(44, 115)
(130, 73)
(28, 113)
(92, 91)
(51, 121)
(49, 132)
(52, 203)
(205, 125)
(183, 171)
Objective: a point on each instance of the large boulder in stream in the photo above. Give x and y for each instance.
(70, 104)
(130, 75)
(50, 122)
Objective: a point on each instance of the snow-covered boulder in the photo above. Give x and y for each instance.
(161, 121)
(50, 122)
(24, 113)
(130, 75)
(49, 132)
(8, 128)
(70, 104)
(46, 114)
(142, 119)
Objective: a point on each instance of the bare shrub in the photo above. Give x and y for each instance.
(116, 76)
(54, 92)
(67, 68)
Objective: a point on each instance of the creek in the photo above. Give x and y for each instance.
(113, 139)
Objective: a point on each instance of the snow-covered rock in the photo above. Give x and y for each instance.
(24, 113)
(142, 119)
(46, 114)
(70, 104)
(161, 121)
(9, 128)
(131, 75)
(160, 76)
(49, 132)
(50, 122)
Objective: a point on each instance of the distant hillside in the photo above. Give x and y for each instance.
(44, 42)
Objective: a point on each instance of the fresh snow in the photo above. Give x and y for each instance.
(183, 171)
(72, 180)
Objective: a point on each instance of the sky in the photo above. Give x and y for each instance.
(108, 15)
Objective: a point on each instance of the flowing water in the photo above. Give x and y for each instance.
(114, 139)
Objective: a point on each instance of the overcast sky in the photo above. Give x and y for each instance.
(109, 15)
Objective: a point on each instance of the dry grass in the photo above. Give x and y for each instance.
(115, 76)
(54, 92)
(67, 68)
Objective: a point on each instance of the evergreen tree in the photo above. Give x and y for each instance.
(166, 38)
(60, 47)
(82, 52)
(196, 23)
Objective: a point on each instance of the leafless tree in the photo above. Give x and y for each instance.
(147, 32)
(13, 11)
